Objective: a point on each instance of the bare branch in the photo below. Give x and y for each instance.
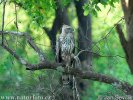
(110, 30)
(122, 39)
(13, 33)
(124, 86)
(35, 47)
(30, 42)
(3, 20)
(13, 53)
(16, 15)
(94, 53)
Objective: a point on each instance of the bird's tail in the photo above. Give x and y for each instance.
(66, 79)
(69, 81)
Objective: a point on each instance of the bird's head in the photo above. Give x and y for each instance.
(67, 29)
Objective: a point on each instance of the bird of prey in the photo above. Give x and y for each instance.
(65, 46)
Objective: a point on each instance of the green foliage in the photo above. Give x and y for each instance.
(94, 6)
(65, 2)
(108, 45)
(38, 10)
(32, 15)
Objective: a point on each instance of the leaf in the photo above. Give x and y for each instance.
(94, 12)
(86, 9)
(97, 8)
(86, 12)
(104, 2)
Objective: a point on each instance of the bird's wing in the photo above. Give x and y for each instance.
(58, 50)
(73, 40)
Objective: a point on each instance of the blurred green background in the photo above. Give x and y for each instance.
(16, 80)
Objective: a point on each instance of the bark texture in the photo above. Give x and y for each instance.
(84, 41)
(84, 33)
(61, 17)
(127, 6)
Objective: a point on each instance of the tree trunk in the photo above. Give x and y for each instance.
(84, 40)
(84, 33)
(127, 6)
(61, 18)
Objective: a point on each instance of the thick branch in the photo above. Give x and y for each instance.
(124, 86)
(122, 39)
(61, 18)
(124, 4)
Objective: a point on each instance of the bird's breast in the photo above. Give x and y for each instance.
(67, 46)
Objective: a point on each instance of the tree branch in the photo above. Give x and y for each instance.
(61, 18)
(122, 39)
(124, 86)
(3, 20)
(29, 40)
(13, 33)
(13, 53)
(124, 4)
(35, 47)
(97, 54)
(16, 15)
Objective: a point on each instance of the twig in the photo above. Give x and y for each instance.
(3, 20)
(126, 87)
(16, 22)
(9, 22)
(30, 42)
(35, 47)
(80, 52)
(13, 33)
(107, 14)
(13, 53)
(109, 31)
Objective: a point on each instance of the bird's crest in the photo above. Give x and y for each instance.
(66, 26)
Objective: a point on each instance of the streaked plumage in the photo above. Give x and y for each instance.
(65, 49)
(65, 45)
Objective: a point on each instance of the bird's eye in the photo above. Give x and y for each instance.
(67, 30)
(71, 29)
